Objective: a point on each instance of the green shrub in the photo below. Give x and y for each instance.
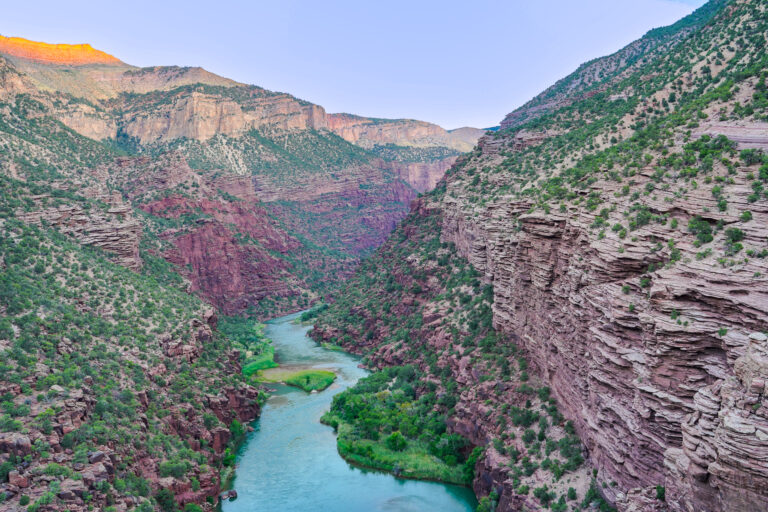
(701, 229)
(166, 500)
(396, 441)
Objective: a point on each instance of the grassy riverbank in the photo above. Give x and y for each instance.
(254, 344)
(306, 379)
(413, 462)
(391, 421)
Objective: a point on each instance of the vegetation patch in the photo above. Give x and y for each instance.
(391, 421)
(308, 380)
(249, 336)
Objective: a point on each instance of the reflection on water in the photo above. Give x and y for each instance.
(290, 461)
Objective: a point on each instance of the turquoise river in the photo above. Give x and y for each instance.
(290, 462)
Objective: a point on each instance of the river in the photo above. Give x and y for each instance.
(290, 463)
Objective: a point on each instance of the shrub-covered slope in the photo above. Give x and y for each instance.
(117, 391)
(623, 234)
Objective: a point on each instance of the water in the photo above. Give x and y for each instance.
(290, 462)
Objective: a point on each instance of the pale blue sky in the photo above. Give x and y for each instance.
(452, 62)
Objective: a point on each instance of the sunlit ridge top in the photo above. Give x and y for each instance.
(64, 54)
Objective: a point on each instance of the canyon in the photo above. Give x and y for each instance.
(145, 213)
(576, 302)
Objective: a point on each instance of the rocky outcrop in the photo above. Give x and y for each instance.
(748, 135)
(113, 228)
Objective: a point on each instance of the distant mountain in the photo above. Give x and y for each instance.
(219, 162)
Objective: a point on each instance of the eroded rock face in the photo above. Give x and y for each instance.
(114, 229)
(200, 116)
(422, 176)
(664, 383)
(724, 442)
(228, 274)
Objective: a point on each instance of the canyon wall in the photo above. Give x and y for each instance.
(199, 116)
(368, 132)
(642, 310)
(422, 176)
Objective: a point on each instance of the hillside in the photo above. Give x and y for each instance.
(262, 200)
(99, 408)
(616, 228)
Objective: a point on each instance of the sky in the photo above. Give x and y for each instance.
(451, 62)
